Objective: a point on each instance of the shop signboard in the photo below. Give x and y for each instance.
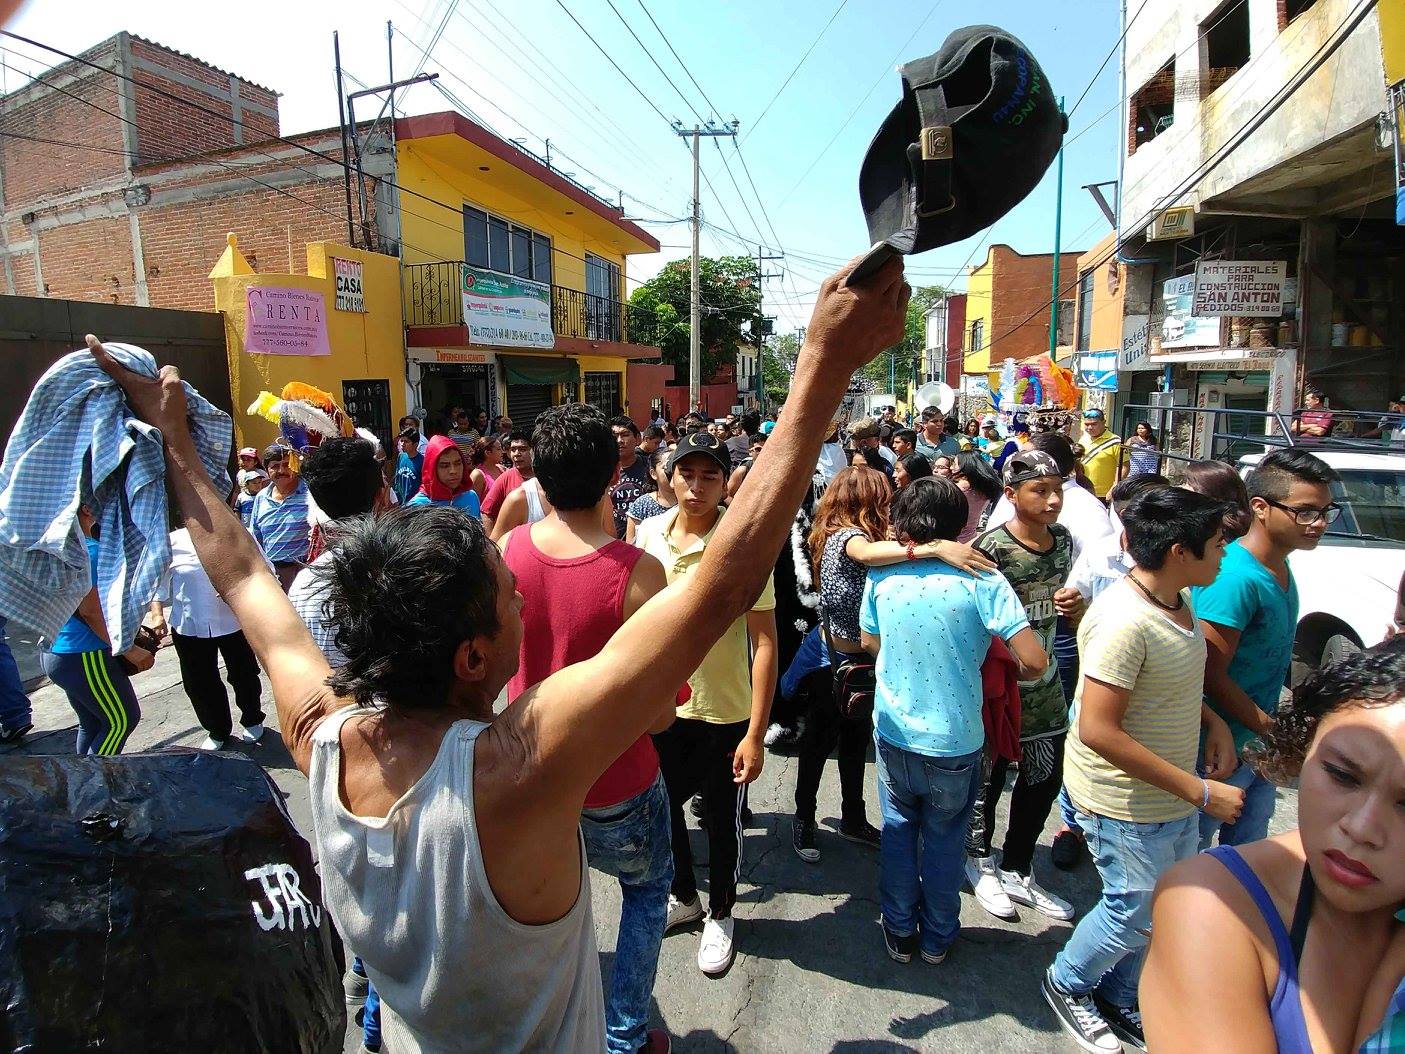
(504, 311)
(1136, 345)
(1182, 328)
(1097, 370)
(284, 320)
(351, 292)
(1239, 288)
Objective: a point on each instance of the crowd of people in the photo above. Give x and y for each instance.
(460, 667)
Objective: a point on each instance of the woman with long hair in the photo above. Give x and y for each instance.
(973, 429)
(1143, 455)
(910, 467)
(486, 458)
(849, 535)
(1296, 943)
(1217, 479)
(981, 488)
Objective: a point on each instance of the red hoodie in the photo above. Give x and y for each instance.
(432, 491)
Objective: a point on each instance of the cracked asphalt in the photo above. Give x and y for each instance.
(811, 973)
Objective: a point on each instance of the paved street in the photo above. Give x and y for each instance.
(811, 974)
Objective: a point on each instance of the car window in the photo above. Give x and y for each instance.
(1373, 503)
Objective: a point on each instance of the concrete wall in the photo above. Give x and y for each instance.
(1346, 93)
(365, 346)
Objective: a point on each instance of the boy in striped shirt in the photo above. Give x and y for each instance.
(1130, 762)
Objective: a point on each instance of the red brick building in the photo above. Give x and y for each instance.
(120, 174)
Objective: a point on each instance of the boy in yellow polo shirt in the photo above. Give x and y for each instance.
(716, 745)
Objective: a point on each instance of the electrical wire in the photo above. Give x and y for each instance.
(639, 91)
(791, 75)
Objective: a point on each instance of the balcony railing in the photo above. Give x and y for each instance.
(433, 297)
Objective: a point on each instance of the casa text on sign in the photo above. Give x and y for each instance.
(351, 290)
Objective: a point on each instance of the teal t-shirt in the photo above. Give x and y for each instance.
(76, 636)
(935, 623)
(1245, 596)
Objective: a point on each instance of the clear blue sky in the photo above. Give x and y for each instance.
(528, 70)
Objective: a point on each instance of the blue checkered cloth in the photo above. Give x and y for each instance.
(76, 442)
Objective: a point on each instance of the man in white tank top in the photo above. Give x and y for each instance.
(427, 809)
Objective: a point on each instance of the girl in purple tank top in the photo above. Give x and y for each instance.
(1295, 943)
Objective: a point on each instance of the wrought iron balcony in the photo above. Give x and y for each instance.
(433, 297)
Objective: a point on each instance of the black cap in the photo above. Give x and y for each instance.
(700, 443)
(974, 132)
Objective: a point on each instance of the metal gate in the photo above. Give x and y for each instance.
(368, 403)
(603, 390)
(526, 401)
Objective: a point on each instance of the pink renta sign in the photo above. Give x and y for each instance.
(281, 320)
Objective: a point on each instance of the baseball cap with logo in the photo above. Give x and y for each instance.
(700, 443)
(1024, 465)
(977, 126)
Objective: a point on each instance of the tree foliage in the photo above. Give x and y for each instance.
(896, 367)
(730, 300)
(778, 365)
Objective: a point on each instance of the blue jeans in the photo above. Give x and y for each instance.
(926, 803)
(14, 704)
(371, 1013)
(1106, 949)
(633, 842)
(1260, 796)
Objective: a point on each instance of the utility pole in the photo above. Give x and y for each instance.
(759, 326)
(345, 145)
(695, 314)
(1058, 233)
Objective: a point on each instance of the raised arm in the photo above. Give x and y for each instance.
(577, 721)
(233, 561)
(880, 554)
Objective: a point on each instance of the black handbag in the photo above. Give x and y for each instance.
(855, 677)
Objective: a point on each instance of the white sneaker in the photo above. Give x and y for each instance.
(210, 743)
(682, 913)
(985, 883)
(1022, 889)
(716, 951)
(251, 734)
(773, 732)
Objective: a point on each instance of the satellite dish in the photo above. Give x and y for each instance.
(935, 393)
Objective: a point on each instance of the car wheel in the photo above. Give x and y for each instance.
(1337, 647)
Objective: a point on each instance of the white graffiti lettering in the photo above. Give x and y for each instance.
(288, 903)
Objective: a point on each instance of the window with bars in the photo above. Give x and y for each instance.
(500, 245)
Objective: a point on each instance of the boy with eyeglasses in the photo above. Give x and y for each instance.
(1250, 614)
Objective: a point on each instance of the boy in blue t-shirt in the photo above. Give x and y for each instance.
(930, 626)
(1250, 615)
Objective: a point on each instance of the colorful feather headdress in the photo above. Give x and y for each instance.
(305, 416)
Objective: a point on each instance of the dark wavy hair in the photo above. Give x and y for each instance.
(405, 589)
(575, 455)
(1374, 677)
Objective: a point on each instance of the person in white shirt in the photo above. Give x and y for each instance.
(1106, 560)
(204, 630)
(1083, 514)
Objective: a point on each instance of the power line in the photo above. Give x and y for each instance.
(1106, 59)
(686, 101)
(716, 112)
(767, 109)
(639, 91)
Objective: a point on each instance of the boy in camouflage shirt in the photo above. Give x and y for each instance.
(1035, 553)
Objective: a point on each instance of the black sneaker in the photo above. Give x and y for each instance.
(1079, 1017)
(1125, 1021)
(1067, 848)
(900, 949)
(862, 832)
(802, 837)
(695, 806)
(9, 736)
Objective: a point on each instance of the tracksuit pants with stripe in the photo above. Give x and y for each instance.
(696, 756)
(100, 693)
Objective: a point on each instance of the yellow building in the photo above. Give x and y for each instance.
(514, 298)
(359, 324)
(1007, 306)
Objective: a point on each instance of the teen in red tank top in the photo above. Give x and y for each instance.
(571, 608)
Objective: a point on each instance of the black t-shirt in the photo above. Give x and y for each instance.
(634, 481)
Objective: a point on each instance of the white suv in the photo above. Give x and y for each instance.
(1348, 587)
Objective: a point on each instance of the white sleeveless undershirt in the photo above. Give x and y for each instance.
(409, 894)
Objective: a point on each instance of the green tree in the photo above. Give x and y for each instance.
(730, 300)
(778, 366)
